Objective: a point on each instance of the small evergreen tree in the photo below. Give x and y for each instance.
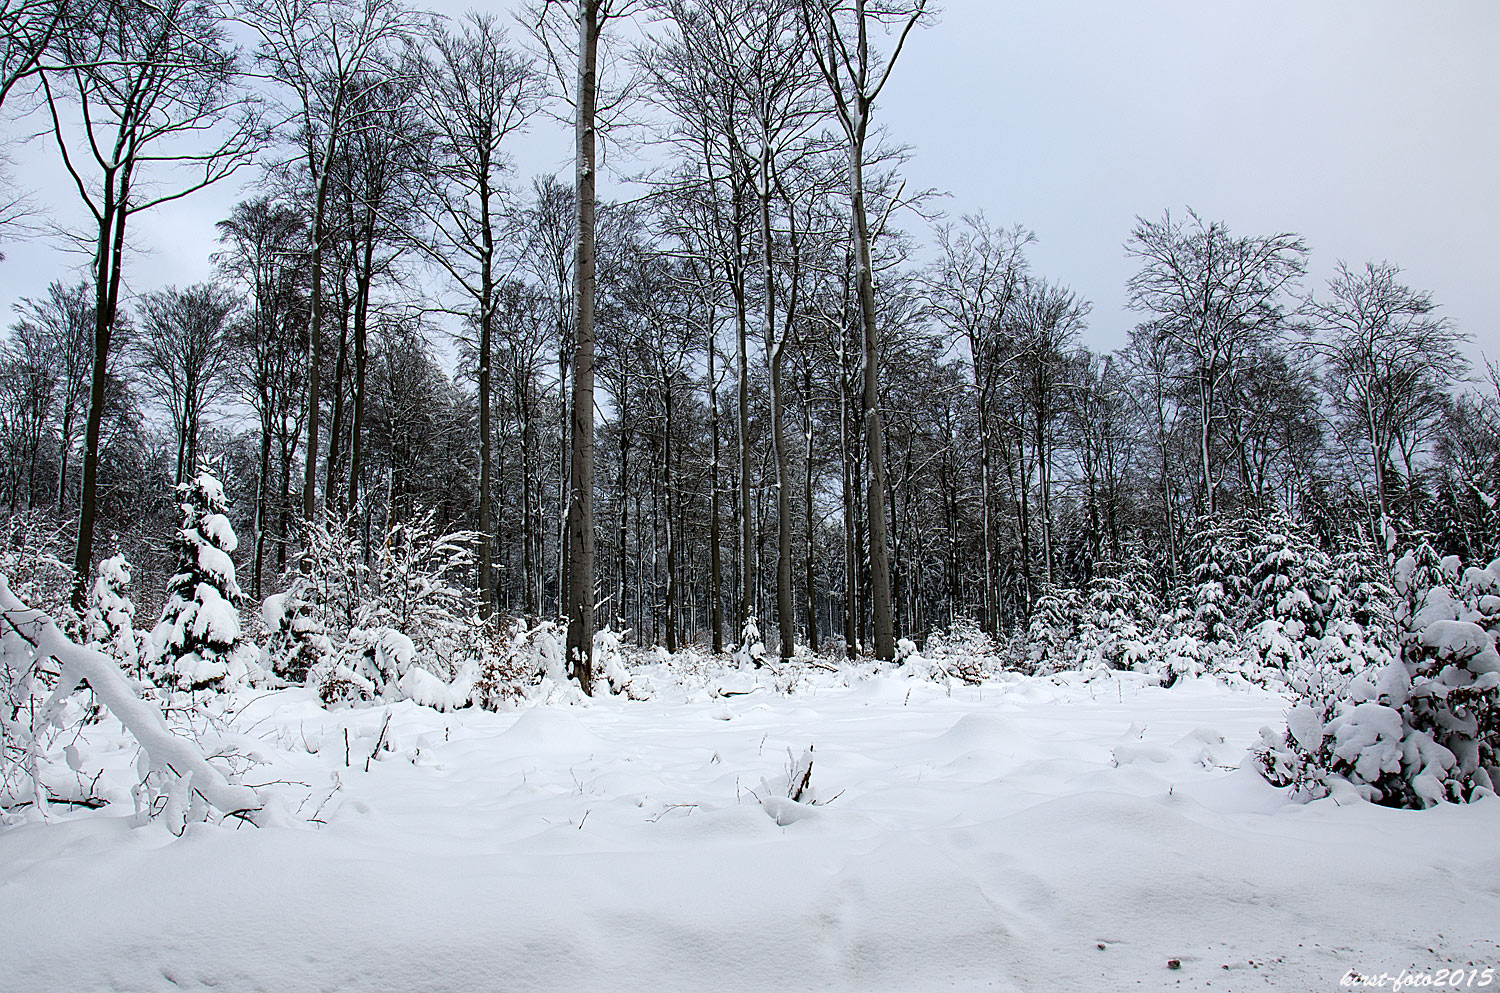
(193, 646)
(111, 615)
(1291, 578)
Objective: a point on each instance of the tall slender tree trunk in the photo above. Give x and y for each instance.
(1023, 474)
(64, 449)
(623, 525)
(581, 498)
(336, 428)
(315, 331)
(747, 513)
(565, 441)
(876, 498)
(486, 452)
(807, 504)
(846, 463)
(531, 595)
(786, 621)
(109, 253)
(1205, 419)
(715, 538)
(671, 536)
(262, 481)
(989, 597)
(361, 339)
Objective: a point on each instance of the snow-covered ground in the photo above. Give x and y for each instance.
(1065, 834)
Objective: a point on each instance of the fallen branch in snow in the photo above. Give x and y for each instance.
(689, 807)
(91, 803)
(80, 665)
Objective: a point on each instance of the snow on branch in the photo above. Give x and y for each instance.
(164, 750)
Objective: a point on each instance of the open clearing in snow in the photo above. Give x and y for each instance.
(1036, 834)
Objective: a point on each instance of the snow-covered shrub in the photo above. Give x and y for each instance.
(23, 734)
(196, 644)
(1184, 655)
(790, 796)
(522, 659)
(962, 650)
(752, 648)
(111, 616)
(177, 782)
(1405, 730)
(609, 661)
(506, 665)
(1051, 634)
(295, 638)
(355, 630)
(421, 588)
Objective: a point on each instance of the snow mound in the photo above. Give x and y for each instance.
(541, 731)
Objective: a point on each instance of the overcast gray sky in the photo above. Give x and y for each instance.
(1371, 127)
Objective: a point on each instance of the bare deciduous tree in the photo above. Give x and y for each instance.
(855, 75)
(266, 251)
(184, 358)
(477, 92)
(323, 53)
(590, 18)
(62, 325)
(972, 288)
(148, 110)
(1212, 295)
(1388, 357)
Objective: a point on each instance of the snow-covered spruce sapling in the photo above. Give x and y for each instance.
(1051, 633)
(1292, 580)
(195, 644)
(1118, 614)
(1425, 726)
(295, 638)
(111, 616)
(751, 650)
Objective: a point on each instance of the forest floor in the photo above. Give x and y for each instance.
(1032, 834)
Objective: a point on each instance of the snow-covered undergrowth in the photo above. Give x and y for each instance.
(1064, 833)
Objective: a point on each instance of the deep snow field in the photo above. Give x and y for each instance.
(1055, 834)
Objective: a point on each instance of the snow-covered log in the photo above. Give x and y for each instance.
(79, 665)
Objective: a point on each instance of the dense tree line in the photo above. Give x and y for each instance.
(772, 391)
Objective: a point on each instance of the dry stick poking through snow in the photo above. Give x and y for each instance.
(378, 741)
(141, 719)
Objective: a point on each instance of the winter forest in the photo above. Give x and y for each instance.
(719, 558)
